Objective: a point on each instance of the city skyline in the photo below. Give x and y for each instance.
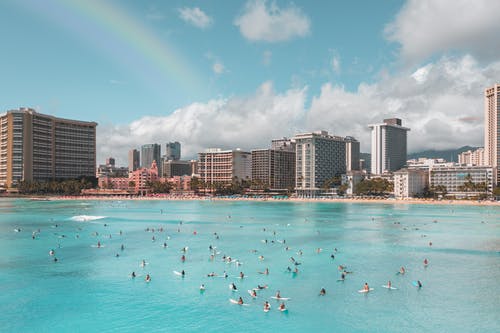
(206, 75)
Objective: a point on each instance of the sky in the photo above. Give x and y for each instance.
(237, 74)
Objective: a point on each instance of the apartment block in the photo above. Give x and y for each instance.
(409, 183)
(274, 168)
(224, 166)
(39, 147)
(454, 177)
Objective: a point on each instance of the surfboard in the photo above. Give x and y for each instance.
(236, 302)
(281, 298)
(267, 310)
(391, 287)
(97, 247)
(177, 273)
(364, 291)
(283, 310)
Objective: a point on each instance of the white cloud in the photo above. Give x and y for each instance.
(444, 110)
(427, 27)
(260, 22)
(218, 68)
(244, 122)
(196, 17)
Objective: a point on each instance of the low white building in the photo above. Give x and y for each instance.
(351, 179)
(454, 178)
(409, 183)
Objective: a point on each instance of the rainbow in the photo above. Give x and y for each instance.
(131, 41)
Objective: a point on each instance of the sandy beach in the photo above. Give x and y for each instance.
(345, 200)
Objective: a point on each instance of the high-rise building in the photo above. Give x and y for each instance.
(352, 154)
(224, 166)
(134, 161)
(149, 153)
(274, 168)
(388, 151)
(319, 158)
(472, 157)
(492, 127)
(173, 151)
(39, 147)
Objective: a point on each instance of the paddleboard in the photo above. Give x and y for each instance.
(391, 287)
(364, 291)
(236, 302)
(281, 298)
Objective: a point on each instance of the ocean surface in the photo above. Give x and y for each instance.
(89, 288)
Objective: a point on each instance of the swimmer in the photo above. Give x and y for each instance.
(266, 272)
(322, 292)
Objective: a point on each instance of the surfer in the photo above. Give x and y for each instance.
(322, 292)
(342, 276)
(366, 287)
(202, 287)
(98, 244)
(267, 306)
(148, 278)
(278, 294)
(261, 287)
(183, 258)
(233, 286)
(52, 252)
(133, 275)
(183, 273)
(242, 275)
(122, 247)
(426, 262)
(419, 284)
(402, 270)
(240, 301)
(282, 306)
(253, 293)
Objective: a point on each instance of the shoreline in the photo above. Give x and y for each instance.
(412, 201)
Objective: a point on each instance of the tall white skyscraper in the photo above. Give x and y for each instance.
(388, 146)
(491, 126)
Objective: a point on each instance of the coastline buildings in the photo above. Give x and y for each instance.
(472, 157)
(352, 154)
(274, 168)
(482, 179)
(39, 147)
(134, 161)
(173, 151)
(173, 168)
(224, 166)
(319, 158)
(492, 126)
(109, 169)
(388, 151)
(410, 183)
(149, 153)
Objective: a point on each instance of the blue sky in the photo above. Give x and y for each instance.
(239, 73)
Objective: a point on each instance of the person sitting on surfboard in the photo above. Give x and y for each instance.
(233, 286)
(133, 274)
(278, 294)
(282, 306)
(254, 293)
(267, 307)
(322, 292)
(240, 301)
(183, 273)
(242, 275)
(366, 287)
(148, 278)
(389, 284)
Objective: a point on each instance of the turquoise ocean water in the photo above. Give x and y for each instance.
(89, 289)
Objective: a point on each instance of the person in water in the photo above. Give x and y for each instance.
(322, 292)
(254, 293)
(282, 306)
(342, 276)
(148, 278)
(233, 286)
(183, 273)
(419, 284)
(133, 275)
(366, 287)
(240, 301)
(389, 284)
(278, 294)
(426, 262)
(402, 270)
(267, 306)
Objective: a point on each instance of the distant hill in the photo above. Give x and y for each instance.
(451, 155)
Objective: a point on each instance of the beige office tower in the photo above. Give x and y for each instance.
(38, 147)
(492, 126)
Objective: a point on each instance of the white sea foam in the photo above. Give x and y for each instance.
(85, 218)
